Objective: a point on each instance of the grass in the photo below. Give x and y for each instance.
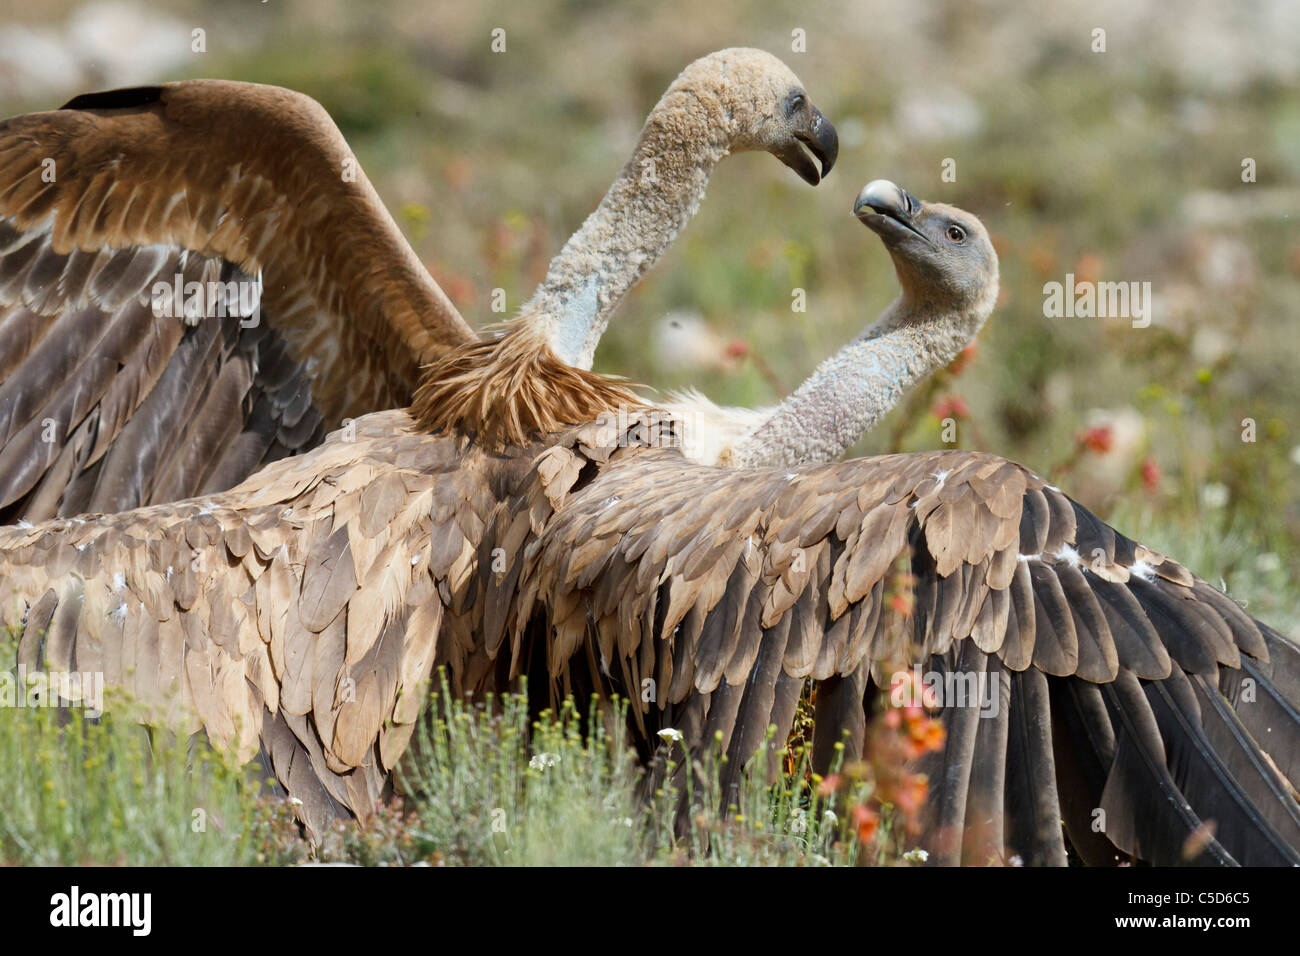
(82, 791)
(486, 787)
(491, 792)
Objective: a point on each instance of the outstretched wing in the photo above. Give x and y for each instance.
(192, 278)
(298, 613)
(729, 589)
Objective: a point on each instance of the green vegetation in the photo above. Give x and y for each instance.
(78, 790)
(1102, 165)
(489, 789)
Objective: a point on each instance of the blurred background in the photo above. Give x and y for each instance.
(1117, 165)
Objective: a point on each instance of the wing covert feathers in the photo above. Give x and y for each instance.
(234, 612)
(955, 563)
(1119, 701)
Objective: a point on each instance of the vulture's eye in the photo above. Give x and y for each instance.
(796, 103)
(956, 233)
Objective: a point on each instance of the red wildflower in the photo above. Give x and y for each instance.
(458, 288)
(867, 821)
(909, 796)
(950, 406)
(1098, 439)
(902, 603)
(924, 734)
(963, 359)
(1150, 474)
(1088, 268)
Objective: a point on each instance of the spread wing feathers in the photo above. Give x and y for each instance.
(298, 614)
(189, 268)
(109, 403)
(709, 595)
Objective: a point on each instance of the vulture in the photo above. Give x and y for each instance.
(197, 279)
(534, 378)
(1139, 713)
(943, 304)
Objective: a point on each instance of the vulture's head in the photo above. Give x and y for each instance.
(749, 100)
(942, 254)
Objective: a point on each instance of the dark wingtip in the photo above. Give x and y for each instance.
(123, 99)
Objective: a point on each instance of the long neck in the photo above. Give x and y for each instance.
(654, 196)
(857, 386)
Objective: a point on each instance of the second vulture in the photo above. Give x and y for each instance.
(300, 613)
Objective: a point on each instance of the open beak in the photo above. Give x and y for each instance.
(821, 140)
(886, 208)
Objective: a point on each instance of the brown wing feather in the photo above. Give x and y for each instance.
(1152, 755)
(1000, 563)
(207, 185)
(235, 616)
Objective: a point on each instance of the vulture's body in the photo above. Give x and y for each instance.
(302, 611)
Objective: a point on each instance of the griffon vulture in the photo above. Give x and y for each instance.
(534, 378)
(1123, 689)
(197, 278)
(301, 612)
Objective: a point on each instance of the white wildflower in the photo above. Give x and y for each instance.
(1214, 495)
(542, 761)
(1268, 562)
(916, 855)
(672, 735)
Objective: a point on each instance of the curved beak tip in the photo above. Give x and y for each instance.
(888, 199)
(821, 140)
(882, 200)
(878, 195)
(825, 142)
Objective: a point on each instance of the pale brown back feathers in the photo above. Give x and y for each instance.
(511, 390)
(298, 613)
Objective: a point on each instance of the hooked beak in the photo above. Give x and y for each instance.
(887, 208)
(822, 141)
